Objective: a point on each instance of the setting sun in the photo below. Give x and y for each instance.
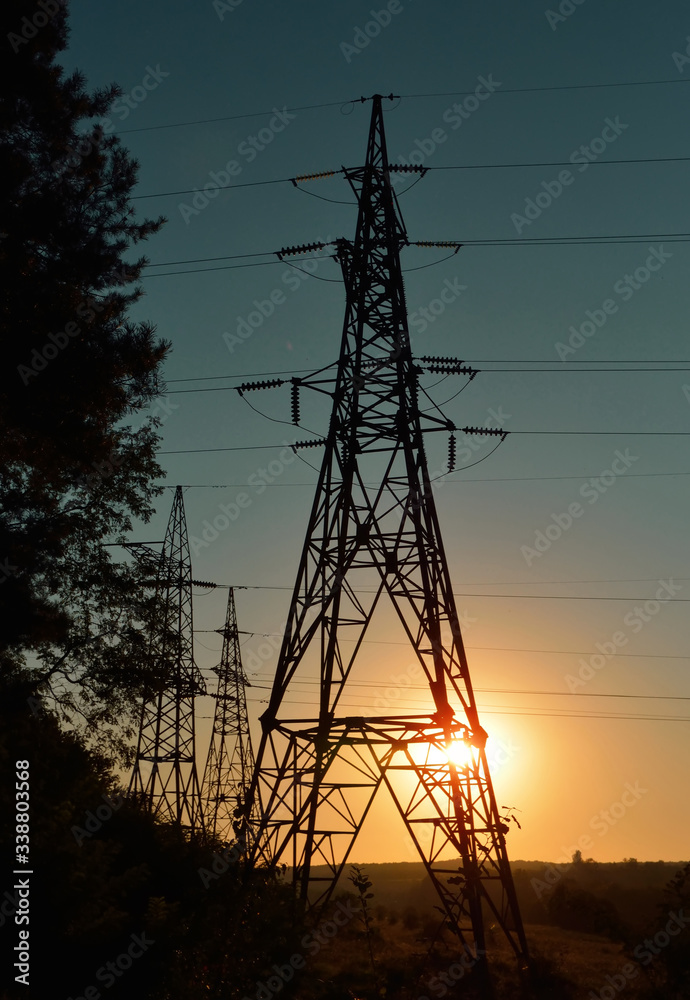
(460, 753)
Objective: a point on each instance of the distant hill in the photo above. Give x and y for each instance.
(634, 888)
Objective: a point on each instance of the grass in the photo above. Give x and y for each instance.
(566, 965)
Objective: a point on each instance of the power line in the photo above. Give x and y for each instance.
(562, 433)
(488, 371)
(533, 361)
(289, 371)
(216, 187)
(609, 433)
(577, 240)
(342, 104)
(246, 447)
(581, 715)
(521, 597)
(518, 710)
(485, 361)
(560, 163)
(459, 166)
(534, 713)
(630, 238)
(504, 649)
(451, 482)
(231, 118)
(573, 86)
(578, 652)
(563, 370)
(556, 694)
(204, 260)
(542, 240)
(204, 270)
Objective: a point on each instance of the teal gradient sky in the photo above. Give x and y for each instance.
(518, 304)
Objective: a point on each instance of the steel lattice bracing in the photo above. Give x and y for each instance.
(316, 778)
(230, 762)
(165, 773)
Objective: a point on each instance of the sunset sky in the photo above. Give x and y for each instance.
(583, 689)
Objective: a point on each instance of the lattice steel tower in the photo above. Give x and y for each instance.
(374, 527)
(230, 761)
(165, 773)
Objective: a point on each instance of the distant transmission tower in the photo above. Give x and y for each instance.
(230, 761)
(373, 531)
(165, 774)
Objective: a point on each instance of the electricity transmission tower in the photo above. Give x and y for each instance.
(165, 774)
(230, 761)
(373, 533)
